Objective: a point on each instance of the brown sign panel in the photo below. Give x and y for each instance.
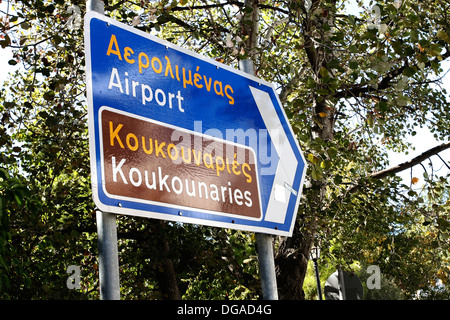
(144, 160)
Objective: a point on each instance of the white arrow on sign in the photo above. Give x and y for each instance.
(287, 164)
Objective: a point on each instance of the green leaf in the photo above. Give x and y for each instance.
(316, 174)
(412, 193)
(6, 41)
(310, 83)
(409, 71)
(414, 36)
(25, 25)
(337, 179)
(353, 49)
(443, 224)
(353, 65)
(49, 95)
(326, 164)
(369, 119)
(313, 159)
(441, 34)
(332, 152)
(323, 72)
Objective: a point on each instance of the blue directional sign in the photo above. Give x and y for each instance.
(181, 137)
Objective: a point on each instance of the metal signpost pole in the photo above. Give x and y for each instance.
(264, 241)
(267, 266)
(95, 5)
(108, 256)
(106, 228)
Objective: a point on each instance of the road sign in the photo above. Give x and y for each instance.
(177, 136)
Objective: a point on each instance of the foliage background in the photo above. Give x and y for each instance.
(352, 93)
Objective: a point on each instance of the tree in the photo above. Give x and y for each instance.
(352, 89)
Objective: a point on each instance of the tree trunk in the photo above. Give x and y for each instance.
(293, 253)
(167, 277)
(292, 256)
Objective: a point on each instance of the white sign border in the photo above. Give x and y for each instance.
(92, 150)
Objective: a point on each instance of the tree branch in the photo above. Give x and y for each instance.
(289, 87)
(187, 26)
(401, 167)
(207, 6)
(357, 90)
(408, 164)
(229, 2)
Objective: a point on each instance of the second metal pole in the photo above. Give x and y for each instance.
(267, 266)
(264, 241)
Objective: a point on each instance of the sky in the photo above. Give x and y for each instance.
(5, 54)
(422, 141)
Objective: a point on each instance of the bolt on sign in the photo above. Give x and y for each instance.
(180, 137)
